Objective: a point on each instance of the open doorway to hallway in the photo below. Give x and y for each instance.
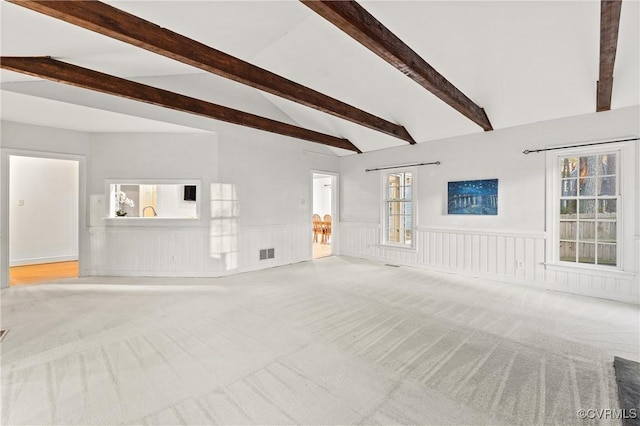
(43, 219)
(323, 209)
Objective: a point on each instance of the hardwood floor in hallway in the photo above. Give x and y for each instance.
(321, 250)
(43, 272)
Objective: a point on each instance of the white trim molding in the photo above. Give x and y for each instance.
(83, 234)
(41, 260)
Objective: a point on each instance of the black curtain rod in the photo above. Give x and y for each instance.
(527, 151)
(437, 163)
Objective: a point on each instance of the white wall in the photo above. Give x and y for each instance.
(271, 175)
(322, 195)
(26, 137)
(43, 210)
(146, 247)
(271, 178)
(511, 245)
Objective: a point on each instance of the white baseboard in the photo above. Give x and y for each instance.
(40, 260)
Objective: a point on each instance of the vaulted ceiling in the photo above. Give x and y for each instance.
(517, 61)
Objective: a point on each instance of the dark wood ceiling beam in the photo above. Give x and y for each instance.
(354, 20)
(609, 25)
(62, 72)
(110, 21)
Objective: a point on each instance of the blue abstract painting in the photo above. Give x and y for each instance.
(473, 197)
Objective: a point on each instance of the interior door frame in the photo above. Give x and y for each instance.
(83, 233)
(335, 209)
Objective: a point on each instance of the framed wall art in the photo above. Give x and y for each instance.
(477, 197)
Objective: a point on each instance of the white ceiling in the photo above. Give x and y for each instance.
(522, 61)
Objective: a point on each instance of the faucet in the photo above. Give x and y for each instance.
(149, 207)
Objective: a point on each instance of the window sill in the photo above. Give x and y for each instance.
(602, 271)
(150, 221)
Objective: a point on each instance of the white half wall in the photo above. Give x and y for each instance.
(511, 245)
(43, 210)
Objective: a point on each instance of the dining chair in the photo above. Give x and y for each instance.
(327, 227)
(317, 227)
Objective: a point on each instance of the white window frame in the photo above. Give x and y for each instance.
(383, 211)
(553, 203)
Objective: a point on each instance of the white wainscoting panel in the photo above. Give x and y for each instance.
(186, 251)
(618, 286)
(291, 243)
(504, 256)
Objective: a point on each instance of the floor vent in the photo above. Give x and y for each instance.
(393, 266)
(2, 334)
(267, 254)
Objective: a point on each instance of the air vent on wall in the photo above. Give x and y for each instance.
(267, 254)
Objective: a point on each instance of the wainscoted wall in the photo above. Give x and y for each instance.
(513, 245)
(146, 251)
(266, 179)
(186, 251)
(291, 243)
(504, 256)
(495, 254)
(614, 285)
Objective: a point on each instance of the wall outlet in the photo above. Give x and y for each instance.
(519, 264)
(20, 202)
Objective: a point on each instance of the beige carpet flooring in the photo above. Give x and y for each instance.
(334, 341)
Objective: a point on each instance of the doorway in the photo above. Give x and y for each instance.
(324, 214)
(43, 219)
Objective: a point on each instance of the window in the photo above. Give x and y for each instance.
(225, 214)
(153, 200)
(398, 208)
(589, 203)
